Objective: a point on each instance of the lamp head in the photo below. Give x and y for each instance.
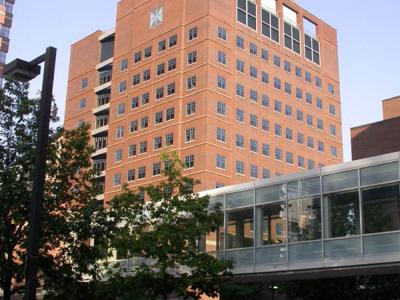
(21, 71)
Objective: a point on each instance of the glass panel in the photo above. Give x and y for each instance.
(241, 16)
(275, 35)
(304, 188)
(304, 219)
(242, 4)
(270, 255)
(270, 194)
(214, 241)
(275, 21)
(340, 181)
(241, 258)
(251, 8)
(342, 248)
(381, 209)
(306, 251)
(382, 173)
(240, 229)
(271, 224)
(239, 199)
(341, 214)
(385, 243)
(217, 199)
(251, 22)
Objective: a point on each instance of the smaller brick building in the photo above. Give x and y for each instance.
(381, 137)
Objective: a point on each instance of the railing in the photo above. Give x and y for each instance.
(100, 142)
(103, 99)
(105, 76)
(101, 121)
(99, 165)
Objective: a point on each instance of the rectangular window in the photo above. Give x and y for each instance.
(253, 96)
(277, 61)
(147, 52)
(299, 116)
(264, 54)
(320, 124)
(124, 64)
(253, 145)
(278, 154)
(264, 77)
(321, 147)
(289, 158)
(190, 108)
(221, 135)
(157, 143)
(141, 172)
(309, 98)
(169, 139)
(308, 76)
(189, 161)
(287, 66)
(277, 83)
(288, 88)
(311, 49)
(122, 86)
(239, 42)
(134, 126)
(137, 57)
(222, 57)
(270, 25)
(190, 134)
(146, 75)
(253, 49)
(310, 120)
(144, 122)
(145, 98)
(159, 92)
(158, 117)
(332, 109)
(319, 103)
(253, 171)
(239, 115)
(239, 90)
(171, 89)
(289, 134)
(311, 164)
(292, 37)
(191, 82)
(156, 169)
(173, 40)
(136, 79)
(132, 150)
(278, 130)
(266, 150)
(131, 175)
(299, 72)
(266, 173)
(221, 162)
(240, 167)
(333, 151)
(300, 138)
(265, 125)
(332, 129)
(221, 108)
(192, 34)
(143, 147)
(278, 106)
(253, 72)
(318, 82)
(240, 65)
(170, 114)
(172, 64)
(265, 101)
(119, 132)
(117, 179)
(162, 45)
(247, 13)
(310, 142)
(222, 33)
(253, 120)
(118, 155)
(239, 141)
(82, 103)
(288, 110)
(192, 57)
(331, 89)
(300, 161)
(84, 83)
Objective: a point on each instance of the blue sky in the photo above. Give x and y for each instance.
(369, 47)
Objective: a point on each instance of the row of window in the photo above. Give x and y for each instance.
(160, 70)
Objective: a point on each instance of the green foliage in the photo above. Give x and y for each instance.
(165, 230)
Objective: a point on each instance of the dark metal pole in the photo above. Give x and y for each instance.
(39, 174)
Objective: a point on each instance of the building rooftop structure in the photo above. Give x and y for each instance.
(6, 16)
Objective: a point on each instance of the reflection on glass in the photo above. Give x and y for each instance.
(304, 188)
(214, 241)
(381, 173)
(341, 214)
(240, 229)
(381, 209)
(240, 199)
(271, 194)
(304, 219)
(271, 224)
(340, 181)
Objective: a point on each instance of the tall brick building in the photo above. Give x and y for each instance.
(380, 137)
(242, 90)
(6, 16)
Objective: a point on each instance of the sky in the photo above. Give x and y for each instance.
(369, 47)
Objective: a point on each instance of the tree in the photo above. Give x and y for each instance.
(165, 230)
(71, 215)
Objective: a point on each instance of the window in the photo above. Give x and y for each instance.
(265, 125)
(270, 25)
(221, 135)
(221, 162)
(169, 139)
(137, 57)
(119, 132)
(266, 173)
(288, 88)
(219, 185)
(222, 57)
(136, 79)
(121, 109)
(157, 143)
(287, 66)
(278, 106)
(320, 124)
(321, 147)
(332, 129)
(143, 147)
(332, 109)
(300, 161)
(253, 96)
(289, 134)
(300, 138)
(221, 108)
(253, 120)
(131, 175)
(160, 92)
(173, 40)
(278, 130)
(156, 169)
(124, 64)
(289, 158)
(247, 13)
(299, 93)
(253, 72)
(82, 103)
(222, 33)
(288, 110)
(266, 150)
(239, 115)
(190, 108)
(240, 167)
(253, 145)
(134, 126)
(118, 155)
(318, 82)
(145, 98)
(277, 83)
(277, 61)
(333, 151)
(292, 37)
(264, 54)
(309, 120)
(156, 17)
(117, 179)
(278, 154)
(144, 122)
(171, 89)
(158, 117)
(190, 134)
(309, 98)
(310, 142)
(170, 114)
(192, 57)
(172, 64)
(239, 141)
(331, 89)
(308, 76)
(221, 82)
(239, 42)
(141, 172)
(299, 116)
(146, 75)
(84, 83)
(253, 171)
(319, 103)
(253, 49)
(122, 86)
(192, 34)
(239, 90)
(162, 45)
(191, 82)
(265, 101)
(311, 164)
(240, 65)
(264, 77)
(147, 52)
(189, 161)
(311, 48)
(160, 69)
(299, 72)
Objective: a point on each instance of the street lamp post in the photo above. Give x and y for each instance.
(24, 71)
